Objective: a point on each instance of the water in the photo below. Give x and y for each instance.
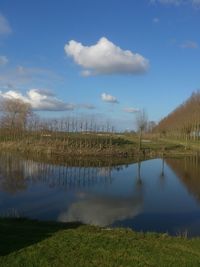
(154, 195)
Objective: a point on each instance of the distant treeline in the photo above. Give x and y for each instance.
(18, 123)
(183, 122)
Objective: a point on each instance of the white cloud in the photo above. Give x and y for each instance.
(189, 44)
(3, 60)
(109, 98)
(44, 100)
(131, 110)
(4, 26)
(106, 58)
(39, 100)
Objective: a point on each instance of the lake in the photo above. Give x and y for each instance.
(153, 195)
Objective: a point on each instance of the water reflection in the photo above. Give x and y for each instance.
(188, 171)
(102, 211)
(162, 174)
(154, 195)
(163, 168)
(11, 174)
(16, 174)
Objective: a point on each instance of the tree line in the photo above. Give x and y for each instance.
(184, 122)
(18, 115)
(19, 122)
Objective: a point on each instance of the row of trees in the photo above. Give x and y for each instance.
(18, 122)
(17, 115)
(183, 122)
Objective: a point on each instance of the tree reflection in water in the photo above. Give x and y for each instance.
(139, 179)
(103, 194)
(188, 171)
(16, 174)
(100, 208)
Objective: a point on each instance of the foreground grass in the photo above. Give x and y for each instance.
(32, 243)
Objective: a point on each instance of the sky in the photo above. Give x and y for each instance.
(108, 58)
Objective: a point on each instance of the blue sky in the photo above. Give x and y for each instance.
(70, 57)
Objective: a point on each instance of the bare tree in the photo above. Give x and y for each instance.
(141, 123)
(150, 126)
(15, 113)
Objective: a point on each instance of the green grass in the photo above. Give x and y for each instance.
(34, 244)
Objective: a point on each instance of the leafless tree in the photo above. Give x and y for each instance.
(15, 113)
(141, 123)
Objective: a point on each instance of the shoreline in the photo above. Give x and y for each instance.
(120, 152)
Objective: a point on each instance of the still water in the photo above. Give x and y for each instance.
(154, 195)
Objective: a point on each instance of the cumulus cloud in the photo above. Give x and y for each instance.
(131, 110)
(109, 98)
(189, 44)
(43, 100)
(39, 100)
(105, 58)
(4, 26)
(3, 60)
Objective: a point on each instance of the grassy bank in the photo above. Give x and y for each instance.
(32, 243)
(91, 145)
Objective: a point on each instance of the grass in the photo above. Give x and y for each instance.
(33, 244)
(70, 144)
(91, 144)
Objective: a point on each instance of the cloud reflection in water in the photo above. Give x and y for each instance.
(102, 210)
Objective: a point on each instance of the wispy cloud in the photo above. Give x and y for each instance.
(194, 3)
(4, 25)
(168, 2)
(86, 106)
(189, 45)
(108, 98)
(131, 110)
(105, 58)
(3, 60)
(156, 20)
(20, 75)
